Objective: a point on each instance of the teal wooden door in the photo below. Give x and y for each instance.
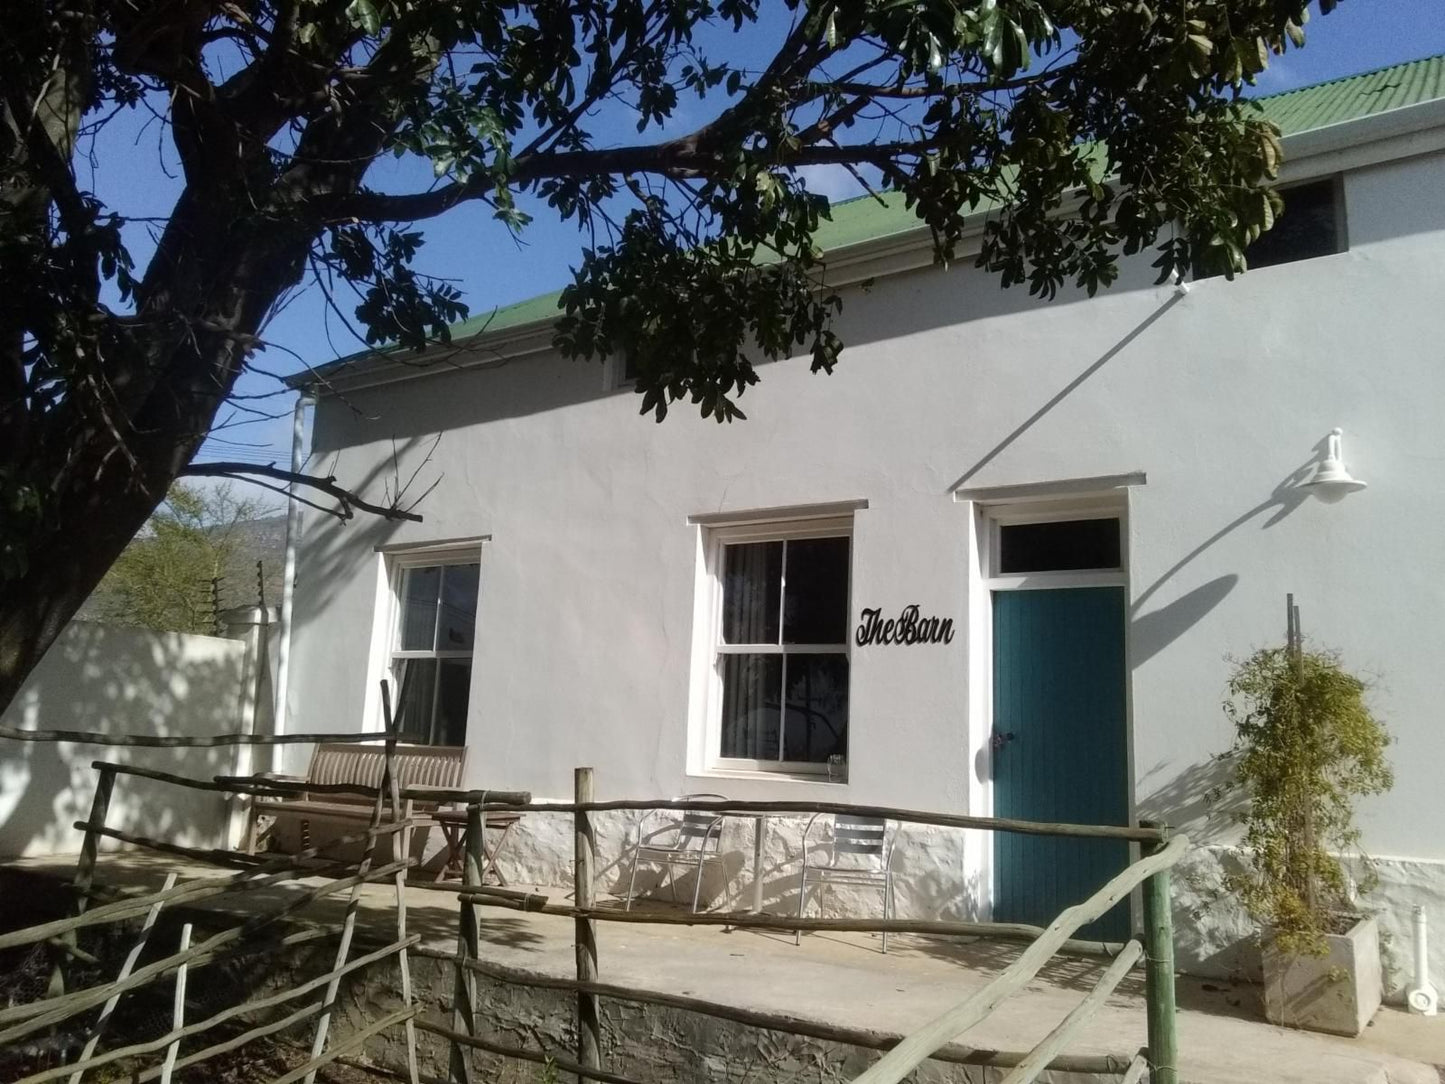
(1060, 749)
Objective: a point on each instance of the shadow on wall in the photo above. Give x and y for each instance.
(120, 681)
(536, 384)
(1154, 630)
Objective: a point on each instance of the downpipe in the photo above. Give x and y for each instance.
(1422, 998)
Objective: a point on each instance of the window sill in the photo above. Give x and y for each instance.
(757, 775)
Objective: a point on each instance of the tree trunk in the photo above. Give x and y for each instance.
(214, 278)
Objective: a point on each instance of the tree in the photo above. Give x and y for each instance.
(163, 579)
(1127, 113)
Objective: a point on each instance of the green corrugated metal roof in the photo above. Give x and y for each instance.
(1356, 96)
(865, 219)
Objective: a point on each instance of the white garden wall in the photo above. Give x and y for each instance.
(113, 681)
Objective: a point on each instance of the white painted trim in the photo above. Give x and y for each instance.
(983, 583)
(705, 705)
(779, 514)
(1083, 488)
(392, 562)
(440, 545)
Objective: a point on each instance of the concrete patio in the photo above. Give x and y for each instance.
(843, 979)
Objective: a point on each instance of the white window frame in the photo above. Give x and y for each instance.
(397, 564)
(996, 517)
(715, 540)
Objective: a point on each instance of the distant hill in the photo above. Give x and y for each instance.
(261, 540)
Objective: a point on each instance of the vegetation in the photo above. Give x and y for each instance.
(676, 134)
(162, 580)
(1306, 749)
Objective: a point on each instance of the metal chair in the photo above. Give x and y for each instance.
(861, 855)
(685, 841)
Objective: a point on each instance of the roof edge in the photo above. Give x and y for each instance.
(1371, 139)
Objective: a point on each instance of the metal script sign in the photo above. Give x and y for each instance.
(909, 627)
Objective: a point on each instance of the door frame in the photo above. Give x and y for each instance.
(988, 518)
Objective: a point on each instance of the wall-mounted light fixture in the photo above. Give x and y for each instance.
(1331, 479)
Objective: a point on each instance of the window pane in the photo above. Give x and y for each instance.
(815, 725)
(416, 681)
(1309, 227)
(815, 603)
(751, 688)
(419, 607)
(453, 695)
(1059, 547)
(752, 583)
(459, 608)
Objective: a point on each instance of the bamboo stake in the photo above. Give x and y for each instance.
(1135, 1073)
(1004, 931)
(584, 932)
(353, 905)
(177, 741)
(464, 988)
(125, 968)
(351, 1043)
(409, 840)
(178, 1012)
(65, 1005)
(54, 1010)
(84, 874)
(914, 816)
(1162, 1019)
(202, 1026)
(249, 862)
(1028, 1070)
(907, 1055)
(562, 1064)
(771, 1021)
(254, 876)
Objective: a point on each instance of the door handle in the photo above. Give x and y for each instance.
(1000, 739)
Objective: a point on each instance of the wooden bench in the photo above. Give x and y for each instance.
(415, 765)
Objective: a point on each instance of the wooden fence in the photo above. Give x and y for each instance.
(89, 1010)
(1160, 851)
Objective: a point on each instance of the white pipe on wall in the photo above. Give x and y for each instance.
(1422, 998)
(288, 582)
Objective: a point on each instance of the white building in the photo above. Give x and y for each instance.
(995, 511)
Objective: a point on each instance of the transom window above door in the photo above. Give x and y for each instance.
(431, 660)
(780, 648)
(1065, 545)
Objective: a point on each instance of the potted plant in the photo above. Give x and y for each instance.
(1306, 749)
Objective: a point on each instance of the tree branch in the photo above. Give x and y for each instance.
(676, 159)
(349, 503)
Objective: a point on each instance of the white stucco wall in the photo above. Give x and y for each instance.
(112, 680)
(1221, 397)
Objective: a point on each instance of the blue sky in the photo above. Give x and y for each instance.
(492, 268)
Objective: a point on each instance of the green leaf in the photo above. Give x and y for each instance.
(363, 15)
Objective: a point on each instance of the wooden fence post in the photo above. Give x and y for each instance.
(464, 990)
(178, 1010)
(589, 1031)
(84, 875)
(1159, 979)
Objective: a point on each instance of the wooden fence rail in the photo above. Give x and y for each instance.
(255, 936)
(936, 1040)
(1161, 851)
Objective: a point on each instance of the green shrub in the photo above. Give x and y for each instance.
(1306, 749)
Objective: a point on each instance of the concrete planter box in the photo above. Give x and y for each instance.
(1337, 993)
